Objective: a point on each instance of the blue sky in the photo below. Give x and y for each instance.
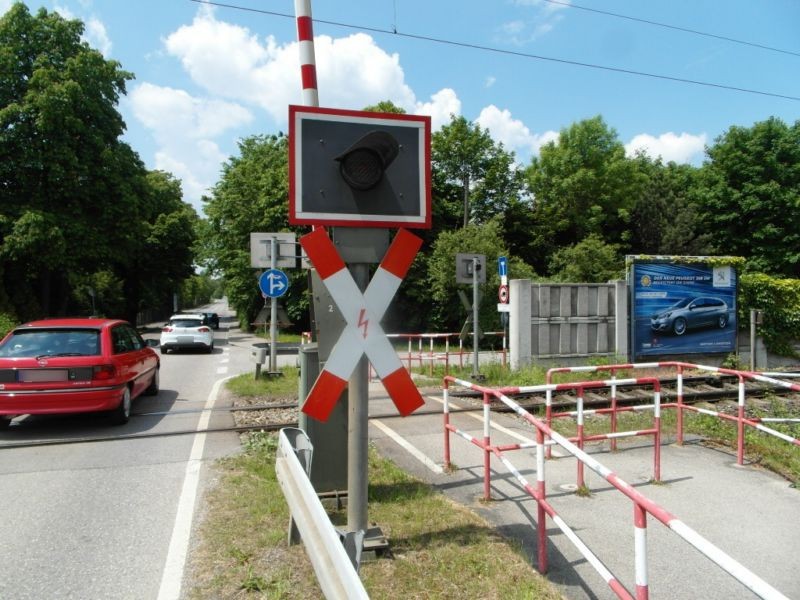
(207, 76)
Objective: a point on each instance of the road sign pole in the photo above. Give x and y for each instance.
(273, 315)
(358, 428)
(475, 327)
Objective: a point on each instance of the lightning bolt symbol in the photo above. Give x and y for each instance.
(362, 322)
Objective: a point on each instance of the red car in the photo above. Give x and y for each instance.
(75, 365)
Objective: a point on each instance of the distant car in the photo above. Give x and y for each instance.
(691, 313)
(75, 365)
(186, 331)
(211, 319)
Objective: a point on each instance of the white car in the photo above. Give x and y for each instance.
(187, 331)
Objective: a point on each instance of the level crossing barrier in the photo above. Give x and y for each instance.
(680, 368)
(643, 506)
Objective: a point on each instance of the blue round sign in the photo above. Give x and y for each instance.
(273, 283)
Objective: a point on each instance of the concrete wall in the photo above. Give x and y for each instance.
(562, 321)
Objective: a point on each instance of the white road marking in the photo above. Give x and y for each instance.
(172, 577)
(411, 449)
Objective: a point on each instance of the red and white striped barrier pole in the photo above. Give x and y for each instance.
(487, 443)
(308, 64)
(640, 551)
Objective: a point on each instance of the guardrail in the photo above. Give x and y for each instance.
(334, 569)
(642, 505)
(680, 367)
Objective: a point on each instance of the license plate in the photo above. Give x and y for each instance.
(41, 375)
(184, 339)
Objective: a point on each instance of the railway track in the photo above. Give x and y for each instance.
(695, 389)
(273, 416)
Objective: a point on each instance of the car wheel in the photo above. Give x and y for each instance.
(152, 389)
(210, 349)
(679, 326)
(164, 350)
(5, 422)
(121, 414)
(722, 321)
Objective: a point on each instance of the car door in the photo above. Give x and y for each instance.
(125, 357)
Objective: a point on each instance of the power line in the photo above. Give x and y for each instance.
(508, 52)
(675, 27)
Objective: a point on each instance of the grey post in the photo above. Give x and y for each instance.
(273, 315)
(475, 311)
(358, 428)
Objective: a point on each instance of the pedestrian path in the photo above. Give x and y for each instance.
(747, 512)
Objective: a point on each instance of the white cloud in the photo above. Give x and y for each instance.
(683, 148)
(97, 36)
(94, 31)
(171, 113)
(183, 127)
(196, 163)
(513, 133)
(229, 61)
(443, 104)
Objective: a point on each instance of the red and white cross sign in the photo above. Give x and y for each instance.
(363, 333)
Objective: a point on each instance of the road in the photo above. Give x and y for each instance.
(107, 520)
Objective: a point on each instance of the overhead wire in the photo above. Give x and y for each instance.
(516, 53)
(668, 26)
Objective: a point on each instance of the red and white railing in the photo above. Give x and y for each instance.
(642, 505)
(680, 368)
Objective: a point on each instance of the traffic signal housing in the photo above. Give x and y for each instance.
(359, 169)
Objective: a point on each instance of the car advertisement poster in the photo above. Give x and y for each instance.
(682, 308)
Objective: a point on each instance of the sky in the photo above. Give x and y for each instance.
(209, 75)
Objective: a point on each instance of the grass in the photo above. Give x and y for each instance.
(248, 386)
(438, 548)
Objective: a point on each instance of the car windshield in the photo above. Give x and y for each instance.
(682, 303)
(51, 342)
(185, 322)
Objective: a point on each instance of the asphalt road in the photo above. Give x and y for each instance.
(106, 520)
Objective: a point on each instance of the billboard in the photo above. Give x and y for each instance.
(682, 307)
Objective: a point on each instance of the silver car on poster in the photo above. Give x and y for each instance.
(691, 313)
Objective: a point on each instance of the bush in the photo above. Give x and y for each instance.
(780, 301)
(7, 323)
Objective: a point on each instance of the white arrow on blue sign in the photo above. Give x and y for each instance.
(273, 283)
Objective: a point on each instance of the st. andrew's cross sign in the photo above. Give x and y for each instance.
(363, 333)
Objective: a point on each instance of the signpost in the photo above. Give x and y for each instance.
(357, 170)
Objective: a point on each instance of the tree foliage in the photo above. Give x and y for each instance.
(751, 196)
(251, 196)
(78, 210)
(581, 185)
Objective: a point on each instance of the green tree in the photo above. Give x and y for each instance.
(251, 196)
(445, 312)
(74, 199)
(470, 170)
(591, 260)
(665, 218)
(581, 185)
(752, 203)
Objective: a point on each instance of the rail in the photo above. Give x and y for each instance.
(740, 419)
(642, 505)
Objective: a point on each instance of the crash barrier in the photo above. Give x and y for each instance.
(333, 566)
(680, 368)
(642, 505)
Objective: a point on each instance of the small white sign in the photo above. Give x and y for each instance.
(261, 246)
